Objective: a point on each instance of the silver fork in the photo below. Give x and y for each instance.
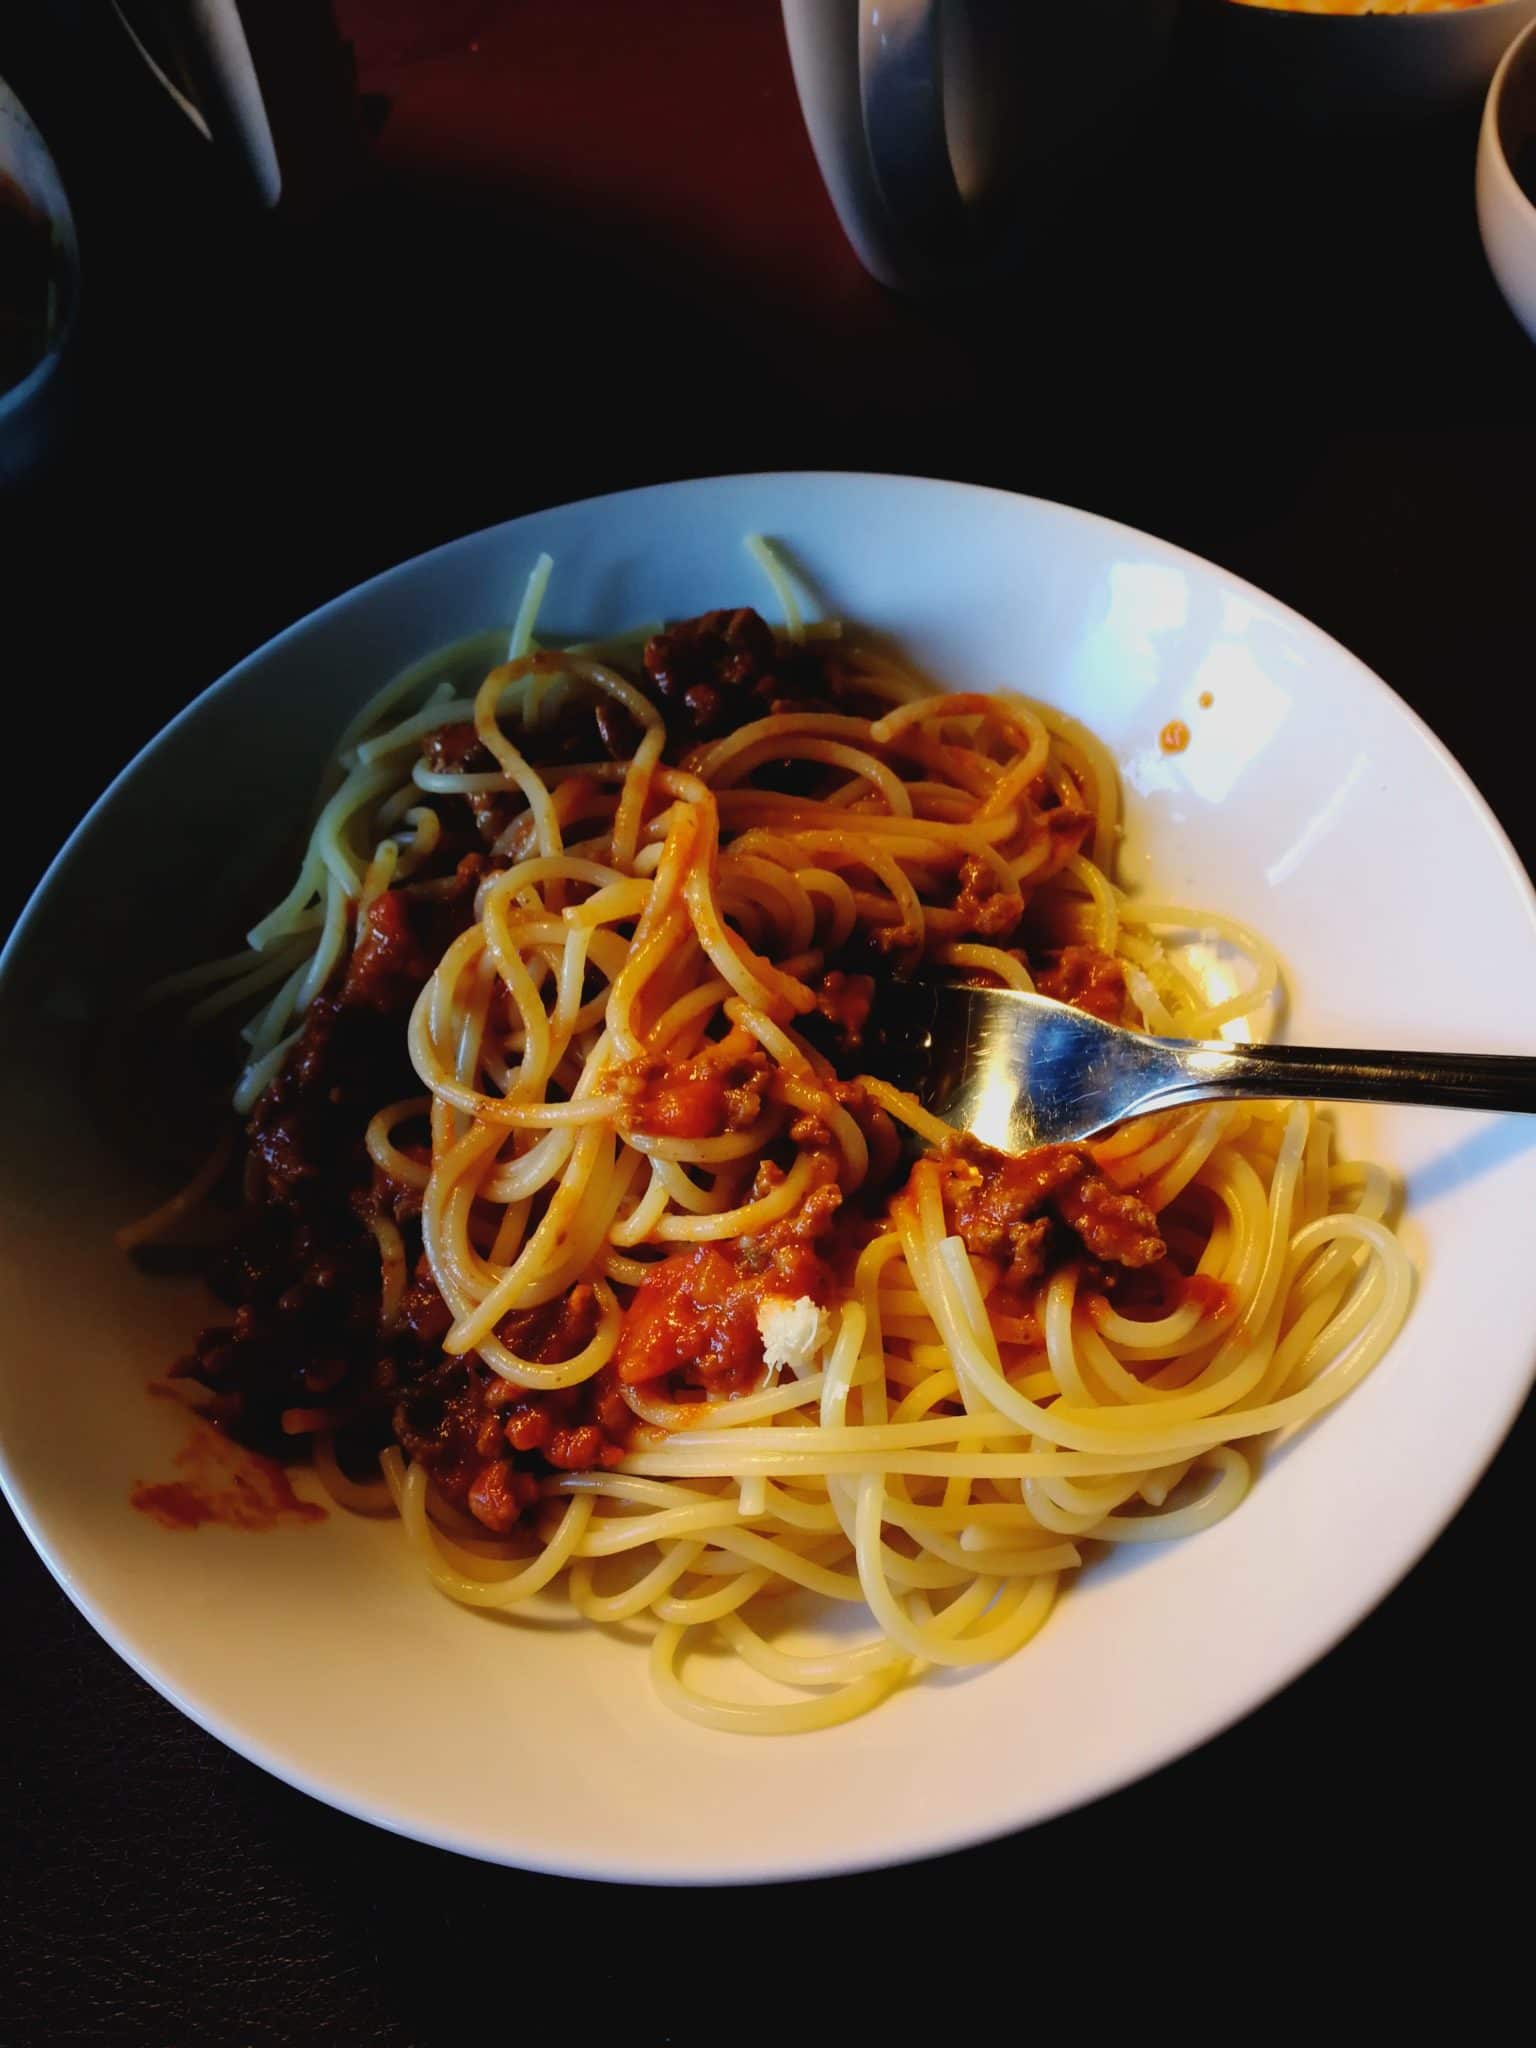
(1018, 1070)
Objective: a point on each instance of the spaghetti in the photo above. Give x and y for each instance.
(578, 1236)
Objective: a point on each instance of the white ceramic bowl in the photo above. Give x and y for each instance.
(1309, 800)
(1506, 210)
(30, 409)
(1397, 66)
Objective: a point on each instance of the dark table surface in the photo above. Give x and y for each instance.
(581, 244)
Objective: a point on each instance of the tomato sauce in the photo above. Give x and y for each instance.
(222, 1482)
(722, 1089)
(1089, 979)
(1212, 1297)
(695, 1314)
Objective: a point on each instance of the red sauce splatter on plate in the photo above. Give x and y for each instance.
(1174, 737)
(1205, 700)
(220, 1481)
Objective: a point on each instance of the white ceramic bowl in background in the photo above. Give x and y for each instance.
(30, 410)
(1506, 212)
(1393, 66)
(1309, 801)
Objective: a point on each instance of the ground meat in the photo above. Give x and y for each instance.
(486, 1442)
(303, 1276)
(720, 1090)
(895, 939)
(573, 1428)
(585, 728)
(813, 1224)
(528, 1427)
(306, 1131)
(554, 1331)
(575, 1450)
(617, 730)
(845, 1000)
(442, 908)
(438, 1422)
(1030, 1246)
(712, 674)
(1115, 1226)
(459, 750)
(302, 1330)
(388, 964)
(586, 725)
(423, 1311)
(995, 1201)
(1088, 979)
(304, 1348)
(498, 1494)
(987, 911)
(995, 1205)
(304, 1284)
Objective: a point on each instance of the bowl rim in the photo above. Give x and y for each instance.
(1495, 155)
(1134, 1763)
(1076, 514)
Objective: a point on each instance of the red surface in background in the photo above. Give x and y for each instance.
(679, 116)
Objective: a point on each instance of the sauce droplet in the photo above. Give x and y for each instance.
(1212, 1297)
(1174, 737)
(1206, 700)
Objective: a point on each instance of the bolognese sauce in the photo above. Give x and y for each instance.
(591, 1201)
(306, 1347)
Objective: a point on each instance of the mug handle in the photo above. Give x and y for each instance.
(901, 92)
(227, 105)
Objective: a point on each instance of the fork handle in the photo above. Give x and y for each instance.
(1211, 1070)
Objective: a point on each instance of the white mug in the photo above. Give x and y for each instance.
(948, 130)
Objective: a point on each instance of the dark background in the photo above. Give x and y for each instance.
(554, 247)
